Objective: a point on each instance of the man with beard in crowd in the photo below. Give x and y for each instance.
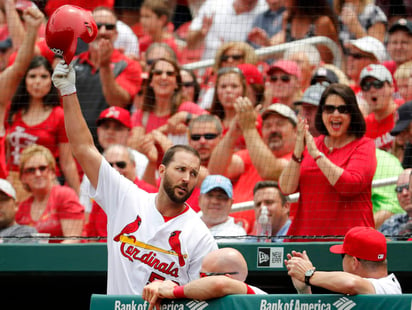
(150, 236)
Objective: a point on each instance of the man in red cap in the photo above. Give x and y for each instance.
(365, 269)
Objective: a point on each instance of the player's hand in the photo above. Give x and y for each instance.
(64, 78)
(166, 289)
(151, 294)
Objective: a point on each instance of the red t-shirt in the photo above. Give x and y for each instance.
(3, 166)
(49, 133)
(52, 5)
(63, 204)
(324, 209)
(380, 130)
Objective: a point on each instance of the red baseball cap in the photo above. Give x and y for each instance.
(363, 242)
(116, 113)
(287, 66)
(251, 73)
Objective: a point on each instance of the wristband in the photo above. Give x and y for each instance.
(298, 160)
(179, 292)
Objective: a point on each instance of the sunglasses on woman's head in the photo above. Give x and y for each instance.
(330, 109)
(159, 72)
(366, 86)
(119, 164)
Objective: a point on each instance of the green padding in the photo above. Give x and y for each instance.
(260, 257)
(261, 302)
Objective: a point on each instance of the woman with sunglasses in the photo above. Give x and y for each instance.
(190, 86)
(230, 85)
(36, 116)
(164, 108)
(333, 172)
(50, 208)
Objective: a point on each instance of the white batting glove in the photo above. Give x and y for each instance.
(64, 78)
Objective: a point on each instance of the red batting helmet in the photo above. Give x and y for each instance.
(65, 25)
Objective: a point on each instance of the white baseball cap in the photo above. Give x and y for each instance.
(372, 46)
(7, 188)
(281, 109)
(379, 72)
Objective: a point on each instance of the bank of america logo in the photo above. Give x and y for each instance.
(344, 303)
(196, 305)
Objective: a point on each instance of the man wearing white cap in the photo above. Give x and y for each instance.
(365, 268)
(8, 208)
(377, 87)
(215, 201)
(361, 53)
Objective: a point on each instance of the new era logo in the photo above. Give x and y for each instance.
(344, 303)
(263, 257)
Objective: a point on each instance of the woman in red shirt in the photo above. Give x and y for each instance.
(333, 172)
(51, 208)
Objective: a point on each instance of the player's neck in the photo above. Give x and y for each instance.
(166, 207)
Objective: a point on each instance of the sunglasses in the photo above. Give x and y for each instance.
(119, 164)
(107, 26)
(400, 188)
(150, 62)
(234, 57)
(368, 84)
(160, 72)
(284, 78)
(207, 136)
(32, 170)
(209, 274)
(330, 109)
(357, 56)
(188, 84)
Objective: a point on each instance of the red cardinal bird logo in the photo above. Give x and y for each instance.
(175, 245)
(129, 228)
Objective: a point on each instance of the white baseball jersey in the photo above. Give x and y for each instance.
(142, 245)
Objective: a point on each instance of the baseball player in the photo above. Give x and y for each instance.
(149, 236)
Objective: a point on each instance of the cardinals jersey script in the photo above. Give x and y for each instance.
(143, 246)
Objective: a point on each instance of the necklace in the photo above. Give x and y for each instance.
(327, 141)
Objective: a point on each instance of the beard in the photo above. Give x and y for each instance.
(170, 190)
(275, 141)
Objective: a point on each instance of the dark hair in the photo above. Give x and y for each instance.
(195, 82)
(217, 107)
(357, 126)
(313, 10)
(21, 99)
(149, 100)
(272, 184)
(170, 153)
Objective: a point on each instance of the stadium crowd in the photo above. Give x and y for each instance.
(295, 117)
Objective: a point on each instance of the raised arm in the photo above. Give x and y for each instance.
(289, 178)
(223, 160)
(266, 163)
(11, 76)
(80, 138)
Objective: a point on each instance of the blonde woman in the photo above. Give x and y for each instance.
(51, 208)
